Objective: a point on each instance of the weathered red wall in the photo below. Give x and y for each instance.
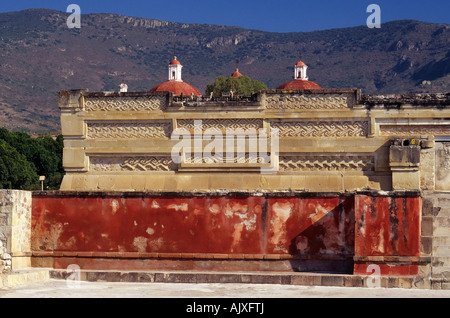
(298, 227)
(387, 226)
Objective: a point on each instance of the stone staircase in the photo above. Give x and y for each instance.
(440, 257)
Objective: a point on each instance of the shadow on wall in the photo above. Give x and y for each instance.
(326, 241)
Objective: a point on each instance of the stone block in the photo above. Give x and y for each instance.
(91, 183)
(185, 182)
(75, 158)
(4, 218)
(354, 281)
(66, 183)
(441, 231)
(441, 241)
(404, 155)
(427, 206)
(129, 277)
(298, 182)
(123, 183)
(443, 201)
(228, 181)
(355, 183)
(442, 250)
(405, 179)
(333, 280)
(444, 212)
(441, 221)
(380, 182)
(105, 182)
(404, 282)
(157, 182)
(146, 277)
(321, 183)
(20, 262)
(138, 183)
(306, 280)
(70, 98)
(72, 125)
(80, 182)
(275, 182)
(47, 262)
(427, 226)
(426, 245)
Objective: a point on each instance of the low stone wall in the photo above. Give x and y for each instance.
(5, 259)
(15, 229)
(436, 238)
(285, 231)
(281, 231)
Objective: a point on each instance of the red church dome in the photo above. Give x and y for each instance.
(177, 88)
(300, 79)
(236, 73)
(299, 84)
(175, 84)
(175, 61)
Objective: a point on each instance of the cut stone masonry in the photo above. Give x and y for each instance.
(122, 141)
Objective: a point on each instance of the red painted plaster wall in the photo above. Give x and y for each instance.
(227, 226)
(231, 225)
(387, 226)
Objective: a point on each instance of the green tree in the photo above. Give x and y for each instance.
(44, 153)
(242, 85)
(15, 171)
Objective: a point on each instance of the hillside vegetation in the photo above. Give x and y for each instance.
(40, 55)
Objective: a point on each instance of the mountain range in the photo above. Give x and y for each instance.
(40, 55)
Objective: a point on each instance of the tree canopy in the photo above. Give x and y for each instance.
(242, 85)
(23, 159)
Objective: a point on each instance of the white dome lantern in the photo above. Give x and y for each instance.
(300, 71)
(175, 70)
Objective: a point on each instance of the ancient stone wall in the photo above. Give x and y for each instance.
(435, 239)
(15, 229)
(328, 140)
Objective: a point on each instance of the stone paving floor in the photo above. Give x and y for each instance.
(81, 289)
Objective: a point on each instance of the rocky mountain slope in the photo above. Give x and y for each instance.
(40, 55)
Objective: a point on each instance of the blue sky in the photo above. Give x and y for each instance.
(267, 15)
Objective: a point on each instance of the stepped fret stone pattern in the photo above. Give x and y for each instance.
(141, 163)
(306, 102)
(142, 103)
(321, 128)
(326, 163)
(129, 130)
(436, 130)
(213, 159)
(222, 124)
